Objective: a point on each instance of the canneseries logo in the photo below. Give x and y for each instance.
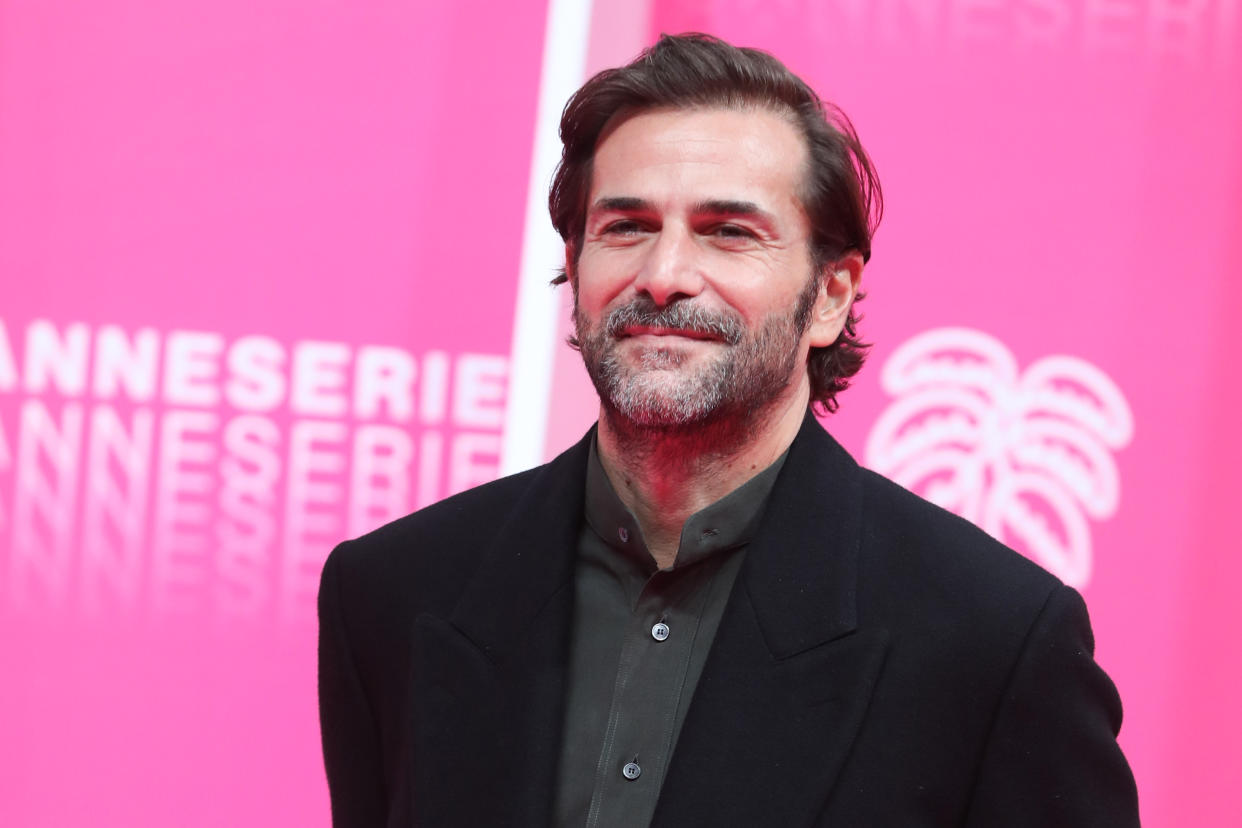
(1025, 455)
(192, 472)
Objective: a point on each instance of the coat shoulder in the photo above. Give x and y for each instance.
(457, 522)
(945, 565)
(423, 560)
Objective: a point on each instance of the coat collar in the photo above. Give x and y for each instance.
(531, 559)
(801, 573)
(802, 599)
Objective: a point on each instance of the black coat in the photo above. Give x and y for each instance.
(880, 663)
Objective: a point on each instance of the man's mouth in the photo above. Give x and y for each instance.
(641, 318)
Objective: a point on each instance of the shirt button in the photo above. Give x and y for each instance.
(631, 771)
(623, 534)
(660, 631)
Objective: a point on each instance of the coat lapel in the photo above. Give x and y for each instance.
(490, 678)
(790, 675)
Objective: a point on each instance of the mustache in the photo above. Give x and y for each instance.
(681, 316)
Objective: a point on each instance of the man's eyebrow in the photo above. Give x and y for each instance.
(709, 207)
(620, 204)
(731, 207)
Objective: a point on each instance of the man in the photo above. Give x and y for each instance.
(706, 613)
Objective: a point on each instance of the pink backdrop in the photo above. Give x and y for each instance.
(257, 264)
(258, 268)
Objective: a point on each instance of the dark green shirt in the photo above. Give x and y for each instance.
(639, 640)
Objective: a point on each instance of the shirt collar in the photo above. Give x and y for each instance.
(726, 524)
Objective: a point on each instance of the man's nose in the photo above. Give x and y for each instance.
(672, 268)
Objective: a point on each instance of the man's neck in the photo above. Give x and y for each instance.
(664, 476)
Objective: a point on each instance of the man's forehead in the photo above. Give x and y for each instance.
(719, 159)
(630, 113)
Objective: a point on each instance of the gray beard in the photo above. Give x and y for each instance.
(735, 386)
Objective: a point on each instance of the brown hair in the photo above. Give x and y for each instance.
(840, 193)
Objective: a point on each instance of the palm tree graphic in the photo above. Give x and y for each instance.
(1028, 456)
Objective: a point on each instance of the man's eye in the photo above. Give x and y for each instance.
(623, 228)
(731, 231)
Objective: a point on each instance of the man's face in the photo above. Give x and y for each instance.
(694, 292)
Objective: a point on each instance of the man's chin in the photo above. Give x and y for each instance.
(660, 413)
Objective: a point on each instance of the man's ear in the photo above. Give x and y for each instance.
(571, 272)
(839, 284)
